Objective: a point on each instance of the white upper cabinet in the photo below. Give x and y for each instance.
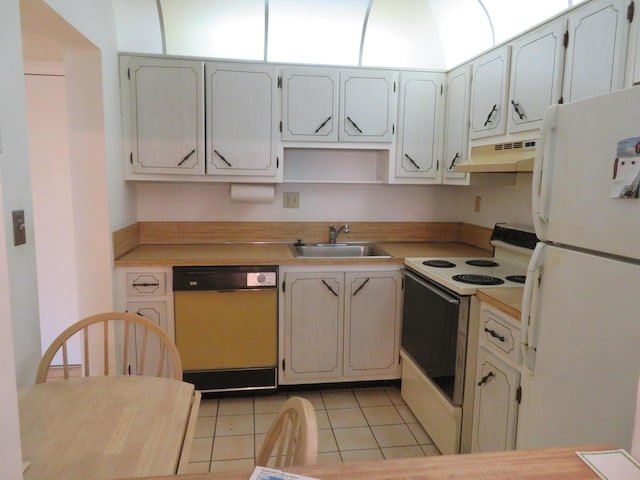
(536, 74)
(489, 95)
(366, 100)
(456, 139)
(241, 119)
(310, 104)
(420, 126)
(596, 51)
(163, 115)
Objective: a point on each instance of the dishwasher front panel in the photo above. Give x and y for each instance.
(222, 330)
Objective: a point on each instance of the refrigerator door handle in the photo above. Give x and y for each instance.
(540, 180)
(528, 318)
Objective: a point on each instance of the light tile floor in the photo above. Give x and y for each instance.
(353, 424)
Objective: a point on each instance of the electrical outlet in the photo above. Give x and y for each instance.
(291, 200)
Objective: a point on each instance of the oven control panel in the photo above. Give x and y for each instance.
(261, 279)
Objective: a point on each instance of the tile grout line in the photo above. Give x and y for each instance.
(388, 402)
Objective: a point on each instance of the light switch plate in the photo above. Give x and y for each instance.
(19, 231)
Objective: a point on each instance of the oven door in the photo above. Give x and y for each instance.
(434, 332)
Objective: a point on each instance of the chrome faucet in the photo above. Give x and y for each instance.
(333, 233)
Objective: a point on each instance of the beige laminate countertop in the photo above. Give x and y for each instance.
(280, 254)
(505, 299)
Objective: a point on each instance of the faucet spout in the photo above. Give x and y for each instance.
(333, 232)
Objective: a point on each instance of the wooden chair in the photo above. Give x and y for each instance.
(635, 440)
(293, 436)
(122, 337)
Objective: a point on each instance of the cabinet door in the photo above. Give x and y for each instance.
(313, 320)
(457, 123)
(310, 105)
(419, 126)
(489, 93)
(365, 104)
(157, 313)
(164, 127)
(596, 51)
(373, 311)
(495, 413)
(536, 70)
(241, 119)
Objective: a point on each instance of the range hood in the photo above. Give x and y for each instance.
(501, 157)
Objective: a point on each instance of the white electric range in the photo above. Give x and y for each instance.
(436, 323)
(513, 246)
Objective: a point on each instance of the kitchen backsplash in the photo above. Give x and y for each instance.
(157, 202)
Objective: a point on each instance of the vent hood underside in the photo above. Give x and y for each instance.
(502, 157)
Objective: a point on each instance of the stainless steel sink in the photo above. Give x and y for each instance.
(331, 250)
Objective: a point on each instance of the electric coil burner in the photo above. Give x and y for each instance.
(474, 279)
(516, 278)
(439, 263)
(482, 263)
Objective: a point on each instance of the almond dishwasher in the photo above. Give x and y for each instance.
(226, 323)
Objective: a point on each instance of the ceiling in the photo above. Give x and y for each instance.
(387, 33)
(45, 35)
(437, 34)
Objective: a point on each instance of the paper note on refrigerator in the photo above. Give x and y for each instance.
(612, 464)
(626, 169)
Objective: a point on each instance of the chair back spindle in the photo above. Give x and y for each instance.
(118, 332)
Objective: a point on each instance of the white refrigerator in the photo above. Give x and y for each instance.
(581, 302)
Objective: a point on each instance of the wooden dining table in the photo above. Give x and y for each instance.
(107, 427)
(559, 463)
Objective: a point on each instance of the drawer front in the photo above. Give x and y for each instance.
(146, 284)
(499, 333)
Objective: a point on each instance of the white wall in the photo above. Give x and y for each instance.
(52, 192)
(95, 20)
(510, 204)
(18, 311)
(350, 202)
(16, 189)
(318, 202)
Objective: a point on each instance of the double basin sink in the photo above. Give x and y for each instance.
(338, 250)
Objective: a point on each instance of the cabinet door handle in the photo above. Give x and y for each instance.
(222, 158)
(186, 157)
(484, 379)
(494, 109)
(412, 162)
(360, 287)
(322, 124)
(354, 124)
(453, 162)
(329, 287)
(156, 284)
(516, 107)
(494, 334)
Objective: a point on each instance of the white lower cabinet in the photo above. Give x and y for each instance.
(497, 391)
(144, 291)
(340, 326)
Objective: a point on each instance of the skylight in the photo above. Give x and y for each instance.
(432, 34)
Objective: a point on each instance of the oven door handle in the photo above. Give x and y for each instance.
(452, 299)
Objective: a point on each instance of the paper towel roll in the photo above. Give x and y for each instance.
(252, 193)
